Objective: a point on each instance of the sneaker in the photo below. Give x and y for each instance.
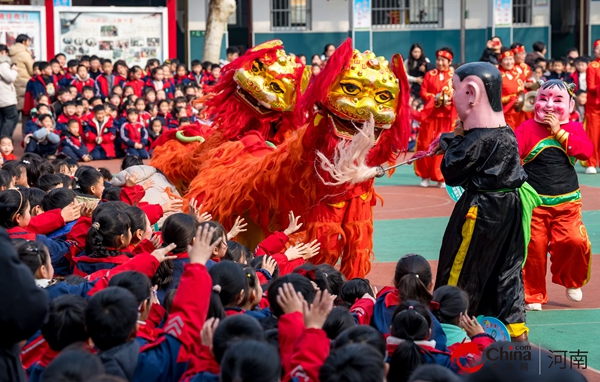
(424, 183)
(590, 170)
(574, 294)
(441, 184)
(534, 306)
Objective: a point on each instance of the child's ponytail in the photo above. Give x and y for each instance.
(101, 241)
(411, 322)
(31, 253)
(448, 303)
(412, 278)
(229, 280)
(179, 229)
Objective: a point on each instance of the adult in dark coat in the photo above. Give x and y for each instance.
(23, 309)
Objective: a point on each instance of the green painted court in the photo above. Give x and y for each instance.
(413, 219)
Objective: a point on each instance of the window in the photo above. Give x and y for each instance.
(522, 12)
(390, 14)
(290, 14)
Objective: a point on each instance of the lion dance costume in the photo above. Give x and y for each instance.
(253, 103)
(263, 183)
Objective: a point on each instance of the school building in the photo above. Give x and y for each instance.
(177, 27)
(305, 26)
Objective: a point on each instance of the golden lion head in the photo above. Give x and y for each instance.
(270, 80)
(366, 87)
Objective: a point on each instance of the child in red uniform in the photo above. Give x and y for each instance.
(155, 130)
(106, 80)
(157, 81)
(135, 80)
(134, 136)
(121, 71)
(83, 79)
(113, 330)
(143, 116)
(99, 135)
(68, 113)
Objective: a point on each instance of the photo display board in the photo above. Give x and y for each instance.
(17, 20)
(132, 35)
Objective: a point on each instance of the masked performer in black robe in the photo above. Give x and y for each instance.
(485, 243)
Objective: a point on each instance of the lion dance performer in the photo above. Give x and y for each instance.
(437, 116)
(253, 102)
(549, 146)
(484, 245)
(351, 89)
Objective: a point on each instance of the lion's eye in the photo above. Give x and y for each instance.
(350, 89)
(384, 96)
(276, 87)
(256, 67)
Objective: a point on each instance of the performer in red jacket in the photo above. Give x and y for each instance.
(549, 146)
(438, 115)
(592, 109)
(512, 86)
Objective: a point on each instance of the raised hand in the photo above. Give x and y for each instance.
(195, 210)
(316, 313)
(312, 250)
(131, 179)
(295, 252)
(148, 184)
(238, 227)
(470, 325)
(202, 249)
(269, 264)
(289, 300)
(173, 205)
(87, 209)
(162, 254)
(294, 226)
(71, 212)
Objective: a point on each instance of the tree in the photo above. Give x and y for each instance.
(218, 13)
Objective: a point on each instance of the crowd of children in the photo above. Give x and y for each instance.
(93, 109)
(94, 289)
(126, 300)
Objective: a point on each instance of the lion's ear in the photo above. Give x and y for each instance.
(305, 79)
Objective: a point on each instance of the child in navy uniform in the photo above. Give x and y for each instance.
(134, 136)
(44, 141)
(72, 143)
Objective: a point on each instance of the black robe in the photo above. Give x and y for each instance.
(485, 231)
